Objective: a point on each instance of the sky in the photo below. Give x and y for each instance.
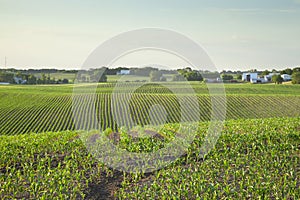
(236, 34)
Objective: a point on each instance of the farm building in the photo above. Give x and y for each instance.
(123, 72)
(4, 83)
(268, 78)
(286, 77)
(250, 77)
(19, 80)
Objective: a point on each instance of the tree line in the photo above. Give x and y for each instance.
(100, 75)
(31, 79)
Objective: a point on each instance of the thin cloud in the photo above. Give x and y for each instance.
(259, 10)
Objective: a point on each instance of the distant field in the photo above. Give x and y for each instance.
(110, 78)
(40, 108)
(200, 89)
(131, 78)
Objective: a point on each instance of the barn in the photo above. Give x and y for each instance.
(249, 77)
(123, 72)
(286, 77)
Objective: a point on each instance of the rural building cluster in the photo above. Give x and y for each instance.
(255, 78)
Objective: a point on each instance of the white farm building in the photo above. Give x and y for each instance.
(123, 72)
(250, 77)
(286, 77)
(19, 80)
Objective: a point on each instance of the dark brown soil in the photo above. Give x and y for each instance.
(105, 188)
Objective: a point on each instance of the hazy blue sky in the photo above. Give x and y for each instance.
(237, 34)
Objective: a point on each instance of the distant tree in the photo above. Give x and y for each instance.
(165, 71)
(18, 75)
(239, 77)
(52, 81)
(287, 71)
(296, 78)
(266, 72)
(65, 81)
(190, 75)
(227, 77)
(193, 76)
(297, 69)
(39, 81)
(7, 77)
(181, 71)
(277, 79)
(25, 77)
(211, 75)
(188, 69)
(48, 79)
(31, 79)
(155, 75)
(43, 79)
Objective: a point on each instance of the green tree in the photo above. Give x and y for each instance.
(190, 75)
(48, 80)
(266, 72)
(65, 81)
(239, 77)
(31, 79)
(43, 79)
(39, 81)
(297, 69)
(52, 81)
(287, 71)
(277, 79)
(6, 77)
(193, 76)
(296, 78)
(18, 75)
(227, 77)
